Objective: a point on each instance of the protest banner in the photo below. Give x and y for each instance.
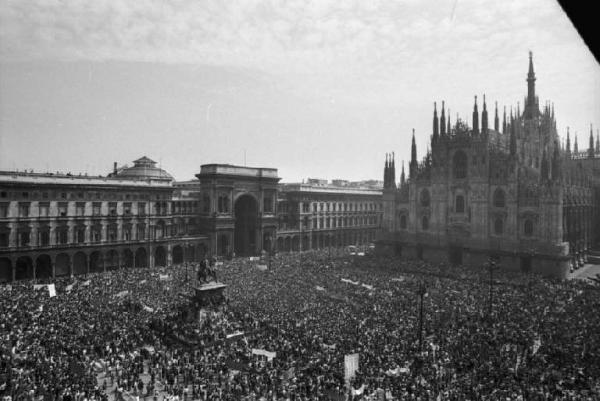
(51, 290)
(350, 367)
(269, 355)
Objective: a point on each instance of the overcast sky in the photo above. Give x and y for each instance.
(313, 88)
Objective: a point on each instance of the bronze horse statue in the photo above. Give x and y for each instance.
(205, 272)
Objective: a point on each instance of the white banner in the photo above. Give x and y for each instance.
(51, 290)
(350, 366)
(267, 354)
(345, 280)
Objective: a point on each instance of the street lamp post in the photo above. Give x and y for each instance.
(421, 292)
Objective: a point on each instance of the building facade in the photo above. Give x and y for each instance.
(317, 215)
(57, 225)
(238, 208)
(507, 191)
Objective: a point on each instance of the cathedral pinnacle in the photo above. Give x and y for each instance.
(475, 118)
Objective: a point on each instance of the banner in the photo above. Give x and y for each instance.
(235, 335)
(38, 286)
(368, 287)
(350, 367)
(122, 294)
(265, 353)
(86, 283)
(148, 309)
(51, 290)
(345, 280)
(262, 268)
(536, 345)
(69, 287)
(319, 288)
(164, 277)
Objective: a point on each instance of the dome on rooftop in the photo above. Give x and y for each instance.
(143, 168)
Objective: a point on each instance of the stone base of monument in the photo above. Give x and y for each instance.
(208, 295)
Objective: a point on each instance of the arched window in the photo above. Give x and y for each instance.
(460, 204)
(498, 226)
(459, 164)
(499, 198)
(425, 223)
(425, 199)
(528, 228)
(403, 222)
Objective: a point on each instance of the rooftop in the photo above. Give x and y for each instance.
(229, 169)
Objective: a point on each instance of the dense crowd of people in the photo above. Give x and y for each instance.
(284, 331)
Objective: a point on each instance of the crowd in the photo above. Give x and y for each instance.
(128, 333)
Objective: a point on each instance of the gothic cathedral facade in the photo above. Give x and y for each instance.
(508, 191)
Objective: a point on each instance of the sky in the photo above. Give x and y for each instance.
(318, 89)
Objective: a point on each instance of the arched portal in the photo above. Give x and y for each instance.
(5, 270)
(305, 243)
(160, 256)
(288, 244)
(43, 267)
(24, 268)
(112, 260)
(62, 265)
(177, 254)
(141, 258)
(246, 214)
(280, 244)
(127, 258)
(96, 262)
(295, 243)
(79, 263)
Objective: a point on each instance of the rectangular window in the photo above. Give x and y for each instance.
(63, 235)
(23, 238)
(23, 209)
(141, 233)
(3, 210)
(96, 208)
(112, 208)
(44, 208)
(268, 206)
(127, 233)
(62, 209)
(80, 209)
(141, 208)
(3, 239)
(80, 235)
(127, 209)
(112, 233)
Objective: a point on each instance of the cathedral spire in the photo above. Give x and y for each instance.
(556, 163)
(449, 126)
(530, 106)
(436, 132)
(475, 118)
(443, 121)
(402, 176)
(544, 167)
(568, 141)
(575, 148)
(513, 136)
(597, 142)
(393, 171)
(591, 147)
(504, 121)
(385, 173)
(413, 157)
(496, 120)
(484, 118)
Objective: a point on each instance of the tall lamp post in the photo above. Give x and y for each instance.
(422, 290)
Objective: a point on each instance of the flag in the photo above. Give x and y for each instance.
(143, 282)
(69, 287)
(345, 280)
(86, 283)
(358, 391)
(350, 367)
(164, 277)
(51, 290)
(122, 294)
(262, 268)
(319, 288)
(38, 286)
(148, 309)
